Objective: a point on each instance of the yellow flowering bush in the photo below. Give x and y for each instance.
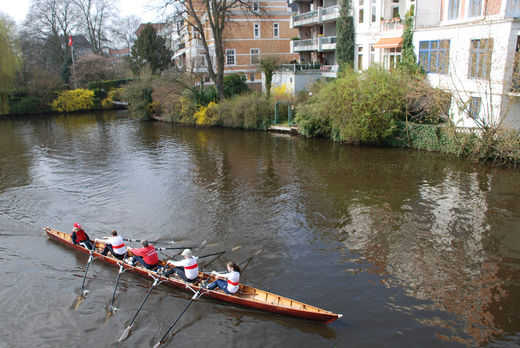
(74, 100)
(207, 116)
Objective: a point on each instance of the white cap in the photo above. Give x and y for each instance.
(187, 253)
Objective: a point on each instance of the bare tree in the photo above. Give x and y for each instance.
(48, 26)
(124, 30)
(96, 17)
(214, 15)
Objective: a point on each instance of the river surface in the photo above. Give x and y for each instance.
(415, 249)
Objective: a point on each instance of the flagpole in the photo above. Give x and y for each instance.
(73, 67)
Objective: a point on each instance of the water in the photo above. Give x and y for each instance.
(415, 249)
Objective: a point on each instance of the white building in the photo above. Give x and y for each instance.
(468, 47)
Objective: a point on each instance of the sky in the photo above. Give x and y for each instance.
(17, 9)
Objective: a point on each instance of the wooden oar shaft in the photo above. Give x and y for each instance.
(177, 248)
(86, 271)
(142, 303)
(195, 296)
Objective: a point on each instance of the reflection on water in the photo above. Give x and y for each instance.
(415, 249)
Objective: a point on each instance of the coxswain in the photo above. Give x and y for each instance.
(80, 237)
(231, 281)
(187, 269)
(146, 256)
(115, 245)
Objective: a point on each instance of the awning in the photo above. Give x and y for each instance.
(389, 42)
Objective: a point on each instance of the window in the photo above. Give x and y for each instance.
(252, 77)
(230, 57)
(276, 30)
(453, 9)
(395, 11)
(374, 13)
(361, 15)
(361, 2)
(372, 54)
(475, 8)
(480, 58)
(392, 57)
(255, 55)
(256, 30)
(256, 5)
(515, 83)
(474, 107)
(434, 56)
(360, 58)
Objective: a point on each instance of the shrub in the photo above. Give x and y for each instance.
(138, 94)
(26, 105)
(207, 116)
(235, 84)
(249, 111)
(355, 108)
(202, 96)
(74, 100)
(109, 84)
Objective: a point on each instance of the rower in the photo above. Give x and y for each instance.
(187, 269)
(80, 237)
(146, 256)
(231, 284)
(115, 245)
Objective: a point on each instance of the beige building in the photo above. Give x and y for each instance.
(247, 37)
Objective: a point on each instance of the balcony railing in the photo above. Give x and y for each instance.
(300, 67)
(391, 25)
(319, 44)
(315, 17)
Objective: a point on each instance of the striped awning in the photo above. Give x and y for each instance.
(389, 42)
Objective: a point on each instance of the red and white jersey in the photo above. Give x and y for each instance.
(191, 268)
(233, 280)
(117, 244)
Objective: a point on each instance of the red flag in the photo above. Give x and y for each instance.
(70, 40)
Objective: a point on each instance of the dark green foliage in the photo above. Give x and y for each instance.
(150, 49)
(65, 70)
(27, 105)
(345, 35)
(202, 96)
(409, 60)
(108, 84)
(235, 84)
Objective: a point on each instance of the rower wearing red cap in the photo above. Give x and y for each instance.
(80, 237)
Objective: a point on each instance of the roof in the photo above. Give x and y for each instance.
(157, 26)
(389, 42)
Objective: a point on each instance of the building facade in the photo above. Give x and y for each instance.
(470, 48)
(248, 36)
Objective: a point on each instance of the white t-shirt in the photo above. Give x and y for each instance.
(233, 280)
(117, 244)
(191, 268)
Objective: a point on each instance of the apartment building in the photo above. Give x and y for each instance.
(247, 38)
(469, 48)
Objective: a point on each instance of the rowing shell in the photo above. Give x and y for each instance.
(246, 296)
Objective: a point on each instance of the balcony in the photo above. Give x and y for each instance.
(322, 14)
(389, 25)
(329, 70)
(322, 43)
(295, 68)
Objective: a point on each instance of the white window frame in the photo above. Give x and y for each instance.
(252, 56)
(470, 5)
(276, 30)
(256, 30)
(231, 53)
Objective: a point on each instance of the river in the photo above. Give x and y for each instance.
(415, 249)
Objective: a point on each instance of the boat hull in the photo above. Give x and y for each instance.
(247, 296)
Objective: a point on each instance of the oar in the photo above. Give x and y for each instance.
(111, 308)
(84, 293)
(149, 241)
(248, 261)
(195, 296)
(127, 330)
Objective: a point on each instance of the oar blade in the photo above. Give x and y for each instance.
(157, 344)
(78, 302)
(236, 248)
(125, 334)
